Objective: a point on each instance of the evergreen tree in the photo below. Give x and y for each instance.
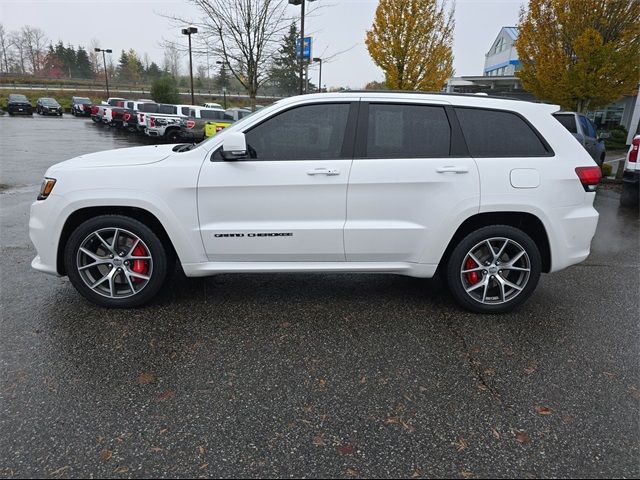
(83, 64)
(285, 71)
(164, 90)
(123, 67)
(153, 72)
(222, 80)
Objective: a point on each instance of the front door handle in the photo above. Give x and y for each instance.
(452, 169)
(324, 171)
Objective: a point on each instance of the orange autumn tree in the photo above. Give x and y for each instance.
(581, 54)
(411, 41)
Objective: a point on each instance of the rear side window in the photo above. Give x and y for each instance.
(407, 131)
(568, 122)
(167, 109)
(309, 132)
(211, 114)
(185, 111)
(494, 133)
(148, 107)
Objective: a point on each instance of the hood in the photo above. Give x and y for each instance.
(118, 157)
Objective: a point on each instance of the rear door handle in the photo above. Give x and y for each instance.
(452, 169)
(324, 171)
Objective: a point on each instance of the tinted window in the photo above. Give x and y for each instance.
(17, 98)
(185, 111)
(568, 122)
(303, 133)
(148, 107)
(407, 131)
(167, 109)
(212, 114)
(491, 133)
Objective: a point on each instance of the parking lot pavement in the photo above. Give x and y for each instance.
(310, 375)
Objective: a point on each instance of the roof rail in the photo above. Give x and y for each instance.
(453, 94)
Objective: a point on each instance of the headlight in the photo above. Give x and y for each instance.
(45, 189)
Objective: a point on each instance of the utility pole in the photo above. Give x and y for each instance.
(190, 31)
(104, 61)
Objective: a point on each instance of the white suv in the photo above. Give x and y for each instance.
(490, 192)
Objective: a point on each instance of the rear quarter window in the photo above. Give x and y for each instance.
(568, 122)
(497, 133)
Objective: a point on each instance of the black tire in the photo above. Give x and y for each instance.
(160, 258)
(457, 258)
(172, 135)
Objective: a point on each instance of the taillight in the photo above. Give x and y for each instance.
(152, 122)
(94, 110)
(190, 124)
(589, 177)
(104, 111)
(633, 154)
(127, 117)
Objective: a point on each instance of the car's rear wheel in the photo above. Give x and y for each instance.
(494, 269)
(116, 261)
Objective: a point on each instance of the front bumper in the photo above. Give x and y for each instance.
(44, 232)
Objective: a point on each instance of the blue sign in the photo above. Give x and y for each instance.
(307, 48)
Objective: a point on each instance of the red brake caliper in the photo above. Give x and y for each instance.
(139, 266)
(472, 277)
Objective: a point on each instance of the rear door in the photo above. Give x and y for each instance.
(286, 201)
(410, 177)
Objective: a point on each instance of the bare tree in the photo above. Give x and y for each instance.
(34, 41)
(172, 58)
(242, 33)
(17, 42)
(94, 58)
(4, 49)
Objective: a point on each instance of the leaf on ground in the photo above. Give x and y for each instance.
(423, 388)
(489, 371)
(201, 450)
(58, 472)
(203, 466)
(322, 382)
(145, 378)
(495, 433)
(392, 420)
(567, 418)
(474, 350)
(318, 440)
(609, 375)
(466, 474)
(461, 444)
(522, 437)
(345, 449)
(531, 369)
(634, 392)
(167, 394)
(122, 469)
(543, 410)
(155, 449)
(105, 455)
(416, 473)
(408, 427)
(352, 473)
(508, 351)
(163, 431)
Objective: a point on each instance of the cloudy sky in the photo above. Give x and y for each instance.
(339, 26)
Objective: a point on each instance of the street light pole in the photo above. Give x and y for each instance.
(318, 59)
(104, 61)
(302, 5)
(189, 31)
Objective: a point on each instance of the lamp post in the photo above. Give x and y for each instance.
(318, 59)
(190, 31)
(104, 61)
(224, 81)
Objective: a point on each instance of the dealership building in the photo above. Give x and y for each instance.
(499, 78)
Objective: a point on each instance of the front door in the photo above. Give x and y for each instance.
(286, 202)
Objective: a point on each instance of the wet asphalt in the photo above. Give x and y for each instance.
(310, 375)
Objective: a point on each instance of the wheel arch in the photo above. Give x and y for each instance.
(81, 215)
(527, 222)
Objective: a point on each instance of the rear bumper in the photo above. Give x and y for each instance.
(631, 177)
(570, 240)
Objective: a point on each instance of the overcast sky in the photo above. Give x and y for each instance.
(341, 25)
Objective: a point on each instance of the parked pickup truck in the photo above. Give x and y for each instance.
(131, 110)
(210, 120)
(99, 111)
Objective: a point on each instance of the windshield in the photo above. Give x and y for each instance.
(48, 101)
(17, 98)
(82, 100)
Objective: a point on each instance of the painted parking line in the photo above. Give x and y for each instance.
(614, 160)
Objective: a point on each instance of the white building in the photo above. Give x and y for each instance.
(502, 58)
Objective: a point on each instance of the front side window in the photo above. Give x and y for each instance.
(407, 131)
(495, 133)
(309, 132)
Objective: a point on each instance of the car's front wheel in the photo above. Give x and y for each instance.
(116, 261)
(494, 269)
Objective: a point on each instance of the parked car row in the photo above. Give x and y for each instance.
(172, 123)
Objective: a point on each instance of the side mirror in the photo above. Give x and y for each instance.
(234, 146)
